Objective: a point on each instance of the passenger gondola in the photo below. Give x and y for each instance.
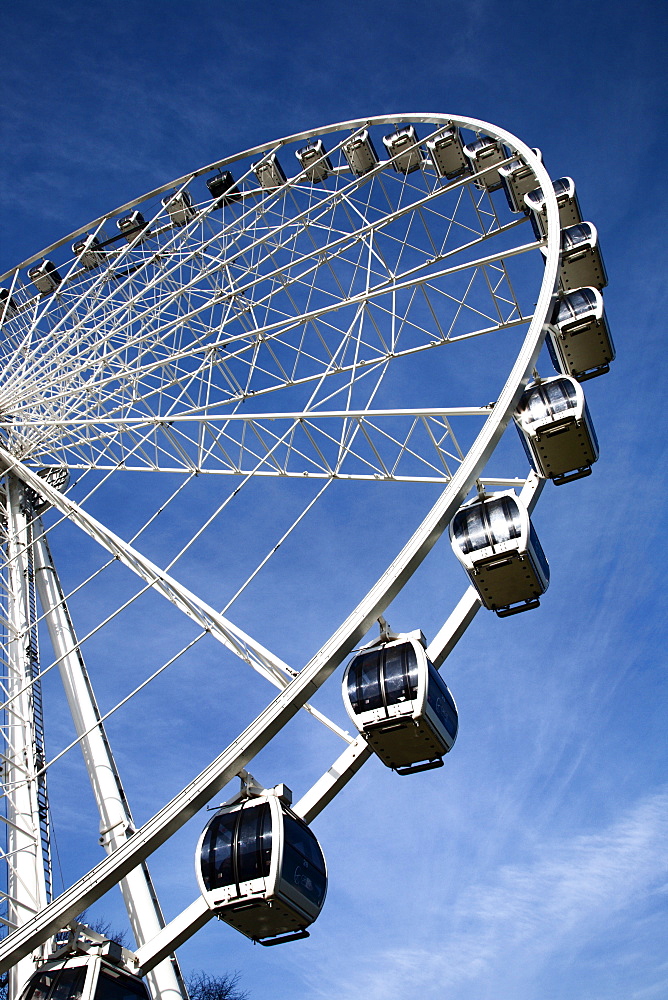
(581, 259)
(403, 149)
(484, 153)
(401, 704)
(133, 227)
(222, 187)
(179, 207)
(493, 538)
(553, 421)
(99, 976)
(360, 153)
(260, 869)
(518, 178)
(579, 341)
(567, 203)
(269, 172)
(8, 307)
(447, 154)
(45, 277)
(89, 251)
(314, 161)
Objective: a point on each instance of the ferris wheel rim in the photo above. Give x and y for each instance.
(433, 525)
(354, 123)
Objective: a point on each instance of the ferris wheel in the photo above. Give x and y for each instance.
(276, 337)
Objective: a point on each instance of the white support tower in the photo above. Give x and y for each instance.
(116, 823)
(24, 815)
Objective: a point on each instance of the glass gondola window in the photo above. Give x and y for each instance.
(550, 399)
(493, 523)
(383, 676)
(442, 701)
(574, 304)
(237, 847)
(57, 984)
(576, 234)
(303, 862)
(217, 852)
(119, 987)
(364, 682)
(253, 843)
(401, 674)
(469, 530)
(538, 552)
(502, 523)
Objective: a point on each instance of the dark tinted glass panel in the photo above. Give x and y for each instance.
(561, 395)
(573, 235)
(305, 877)
(469, 529)
(582, 300)
(525, 445)
(353, 681)
(111, 987)
(532, 405)
(412, 672)
(400, 673)
(504, 519)
(303, 863)
(547, 400)
(364, 682)
(298, 836)
(592, 429)
(553, 354)
(481, 144)
(576, 303)
(40, 986)
(70, 984)
(217, 867)
(254, 842)
(441, 701)
(538, 550)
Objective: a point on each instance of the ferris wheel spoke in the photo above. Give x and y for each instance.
(329, 248)
(406, 280)
(323, 311)
(225, 631)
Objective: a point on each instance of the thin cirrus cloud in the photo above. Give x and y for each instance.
(525, 917)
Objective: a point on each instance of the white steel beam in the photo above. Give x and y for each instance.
(26, 884)
(116, 823)
(260, 658)
(173, 935)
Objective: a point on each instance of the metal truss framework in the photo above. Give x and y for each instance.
(256, 337)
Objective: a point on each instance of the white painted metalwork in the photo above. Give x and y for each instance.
(27, 881)
(253, 328)
(116, 823)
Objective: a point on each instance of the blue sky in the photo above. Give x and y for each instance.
(534, 863)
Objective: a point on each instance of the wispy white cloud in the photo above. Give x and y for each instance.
(502, 933)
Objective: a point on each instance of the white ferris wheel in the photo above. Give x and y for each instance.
(278, 337)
